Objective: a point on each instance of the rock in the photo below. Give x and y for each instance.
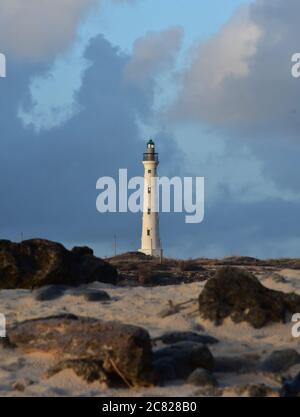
(185, 357)
(165, 369)
(174, 337)
(291, 388)
(209, 392)
(256, 390)
(124, 349)
(88, 369)
(37, 263)
(82, 250)
(228, 364)
(22, 384)
(5, 343)
(202, 378)
(239, 295)
(95, 296)
(49, 293)
(280, 361)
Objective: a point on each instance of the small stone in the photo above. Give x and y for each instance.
(95, 296)
(21, 384)
(49, 293)
(202, 378)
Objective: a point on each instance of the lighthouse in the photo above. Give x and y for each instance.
(150, 230)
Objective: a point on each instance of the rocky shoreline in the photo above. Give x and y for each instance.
(223, 330)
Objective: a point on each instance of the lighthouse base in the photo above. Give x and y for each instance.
(157, 253)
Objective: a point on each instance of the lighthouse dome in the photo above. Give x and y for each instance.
(150, 144)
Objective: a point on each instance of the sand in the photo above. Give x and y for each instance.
(140, 306)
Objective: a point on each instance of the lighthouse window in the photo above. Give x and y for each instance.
(148, 232)
(149, 190)
(149, 171)
(149, 211)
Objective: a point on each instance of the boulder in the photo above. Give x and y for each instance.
(280, 361)
(36, 263)
(239, 295)
(124, 350)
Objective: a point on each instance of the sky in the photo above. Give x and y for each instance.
(89, 81)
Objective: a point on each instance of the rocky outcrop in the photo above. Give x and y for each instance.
(113, 348)
(239, 295)
(37, 263)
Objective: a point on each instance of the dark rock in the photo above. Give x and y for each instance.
(202, 378)
(165, 369)
(82, 250)
(186, 357)
(124, 349)
(280, 361)
(5, 343)
(291, 388)
(238, 294)
(95, 296)
(228, 364)
(49, 293)
(37, 263)
(174, 337)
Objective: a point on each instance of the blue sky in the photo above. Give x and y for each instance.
(207, 79)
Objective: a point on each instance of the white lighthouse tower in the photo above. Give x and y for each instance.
(150, 231)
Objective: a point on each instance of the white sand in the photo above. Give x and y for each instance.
(139, 306)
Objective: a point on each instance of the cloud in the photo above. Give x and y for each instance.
(241, 77)
(225, 56)
(239, 83)
(152, 54)
(33, 29)
(38, 29)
